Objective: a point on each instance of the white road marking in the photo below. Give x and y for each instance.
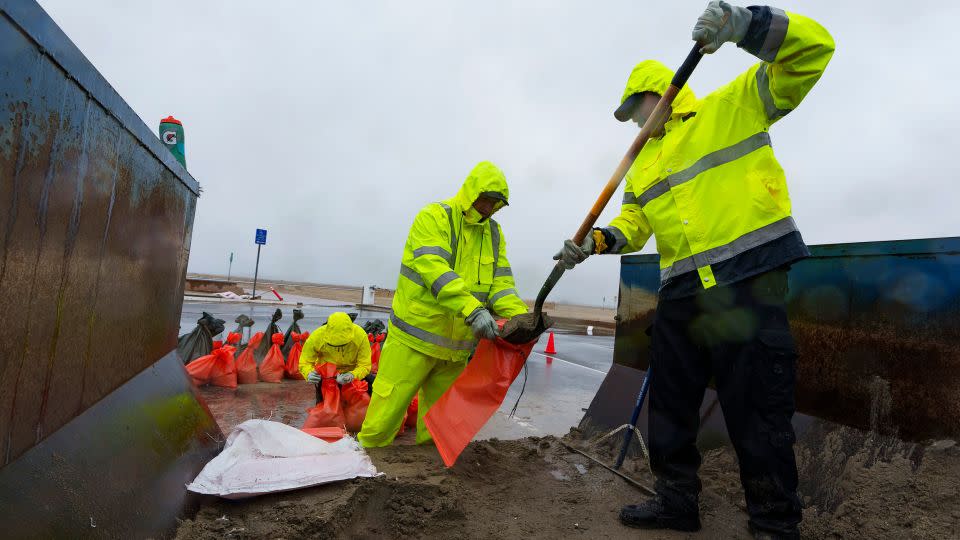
(569, 362)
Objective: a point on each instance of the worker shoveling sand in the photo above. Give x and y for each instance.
(853, 484)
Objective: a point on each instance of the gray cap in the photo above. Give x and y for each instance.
(495, 195)
(625, 111)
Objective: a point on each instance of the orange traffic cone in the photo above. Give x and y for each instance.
(551, 348)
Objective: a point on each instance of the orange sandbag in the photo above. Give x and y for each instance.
(411, 419)
(200, 369)
(329, 434)
(292, 368)
(355, 403)
(329, 412)
(375, 354)
(224, 372)
(476, 394)
(246, 363)
(272, 367)
(233, 338)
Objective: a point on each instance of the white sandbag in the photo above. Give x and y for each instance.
(265, 457)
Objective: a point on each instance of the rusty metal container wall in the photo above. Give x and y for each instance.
(877, 326)
(144, 441)
(95, 226)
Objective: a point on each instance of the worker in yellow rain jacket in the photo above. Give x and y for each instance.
(454, 279)
(339, 341)
(709, 188)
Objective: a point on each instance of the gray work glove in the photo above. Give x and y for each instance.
(711, 31)
(482, 324)
(314, 377)
(571, 254)
(345, 378)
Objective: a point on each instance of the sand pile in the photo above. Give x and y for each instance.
(854, 484)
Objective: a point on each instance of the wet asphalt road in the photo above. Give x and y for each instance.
(559, 387)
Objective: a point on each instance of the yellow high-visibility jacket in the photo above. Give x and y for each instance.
(453, 263)
(710, 189)
(339, 341)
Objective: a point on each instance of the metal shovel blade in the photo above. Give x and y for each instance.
(528, 326)
(525, 328)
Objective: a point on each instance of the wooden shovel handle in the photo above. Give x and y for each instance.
(657, 119)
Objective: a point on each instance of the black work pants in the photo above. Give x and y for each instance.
(738, 335)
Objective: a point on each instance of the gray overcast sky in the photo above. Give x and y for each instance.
(331, 124)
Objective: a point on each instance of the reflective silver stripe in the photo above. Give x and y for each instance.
(503, 293)
(763, 88)
(680, 267)
(442, 281)
(495, 236)
(709, 161)
(433, 250)
(776, 32)
(495, 246)
(438, 283)
(629, 198)
(620, 240)
(720, 157)
(752, 239)
(653, 192)
(481, 296)
(503, 272)
(453, 233)
(411, 274)
(430, 337)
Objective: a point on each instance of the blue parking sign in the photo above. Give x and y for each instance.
(261, 237)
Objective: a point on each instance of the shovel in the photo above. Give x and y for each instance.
(528, 327)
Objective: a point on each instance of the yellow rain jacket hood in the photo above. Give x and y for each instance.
(710, 188)
(339, 329)
(485, 179)
(453, 263)
(653, 76)
(339, 341)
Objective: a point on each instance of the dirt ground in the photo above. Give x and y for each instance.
(530, 488)
(853, 484)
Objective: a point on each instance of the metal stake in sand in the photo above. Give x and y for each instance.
(632, 426)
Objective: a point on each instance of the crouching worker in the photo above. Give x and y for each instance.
(341, 342)
(454, 279)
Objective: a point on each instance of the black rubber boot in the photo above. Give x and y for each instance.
(652, 514)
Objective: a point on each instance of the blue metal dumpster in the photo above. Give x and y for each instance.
(877, 326)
